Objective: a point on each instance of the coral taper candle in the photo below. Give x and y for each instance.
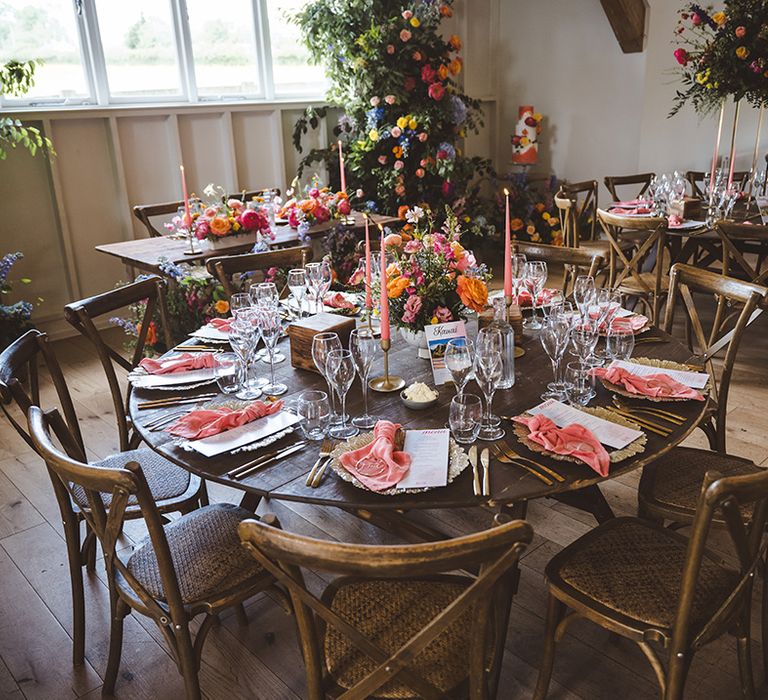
(368, 296)
(507, 249)
(187, 216)
(733, 145)
(341, 169)
(383, 299)
(716, 154)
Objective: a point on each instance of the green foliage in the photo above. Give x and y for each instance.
(16, 79)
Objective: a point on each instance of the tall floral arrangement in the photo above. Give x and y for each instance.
(722, 54)
(16, 318)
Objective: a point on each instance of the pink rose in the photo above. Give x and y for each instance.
(696, 19)
(436, 91)
(420, 172)
(467, 261)
(681, 55)
(253, 220)
(417, 56)
(443, 314)
(412, 308)
(293, 218)
(375, 101)
(393, 240)
(390, 49)
(210, 212)
(413, 246)
(383, 160)
(442, 154)
(423, 162)
(740, 32)
(396, 131)
(427, 73)
(390, 99)
(344, 207)
(407, 14)
(447, 188)
(399, 165)
(405, 35)
(423, 136)
(202, 229)
(235, 204)
(321, 214)
(409, 83)
(400, 190)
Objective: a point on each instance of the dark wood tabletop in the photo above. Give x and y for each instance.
(509, 484)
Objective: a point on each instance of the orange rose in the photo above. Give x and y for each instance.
(151, 333)
(472, 292)
(396, 286)
(455, 66)
(393, 240)
(220, 225)
(446, 11)
(221, 306)
(540, 207)
(516, 224)
(442, 71)
(455, 42)
(402, 211)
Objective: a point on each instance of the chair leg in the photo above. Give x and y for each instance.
(744, 650)
(555, 612)
(118, 611)
(204, 494)
(676, 675)
(89, 550)
(72, 537)
(188, 663)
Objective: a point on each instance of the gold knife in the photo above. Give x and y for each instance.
(485, 460)
(476, 475)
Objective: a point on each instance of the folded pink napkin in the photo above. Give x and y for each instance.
(185, 362)
(336, 300)
(658, 386)
(203, 423)
(630, 212)
(378, 466)
(674, 221)
(636, 322)
(221, 324)
(573, 440)
(524, 297)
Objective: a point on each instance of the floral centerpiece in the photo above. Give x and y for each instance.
(15, 319)
(320, 204)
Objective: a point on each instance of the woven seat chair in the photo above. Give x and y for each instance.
(665, 592)
(192, 566)
(576, 261)
(226, 267)
(171, 487)
(394, 624)
(639, 183)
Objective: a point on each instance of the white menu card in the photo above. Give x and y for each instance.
(438, 337)
(244, 434)
(695, 380)
(610, 434)
(429, 458)
(149, 381)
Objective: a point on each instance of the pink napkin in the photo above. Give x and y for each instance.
(221, 324)
(659, 386)
(378, 466)
(206, 422)
(573, 440)
(185, 362)
(630, 212)
(337, 300)
(524, 297)
(674, 221)
(636, 322)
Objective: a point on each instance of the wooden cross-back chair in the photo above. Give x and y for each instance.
(172, 488)
(667, 593)
(576, 261)
(576, 203)
(146, 212)
(195, 565)
(626, 272)
(639, 183)
(697, 180)
(225, 267)
(740, 240)
(394, 623)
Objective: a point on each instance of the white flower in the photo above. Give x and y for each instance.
(412, 216)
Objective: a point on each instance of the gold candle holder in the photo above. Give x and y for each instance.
(386, 383)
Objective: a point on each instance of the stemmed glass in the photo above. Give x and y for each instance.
(322, 344)
(243, 337)
(607, 303)
(320, 276)
(458, 360)
(534, 279)
(297, 283)
(271, 329)
(363, 345)
(264, 295)
(488, 371)
(554, 338)
(518, 266)
(583, 293)
(241, 300)
(341, 373)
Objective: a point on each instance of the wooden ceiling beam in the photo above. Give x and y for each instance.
(627, 18)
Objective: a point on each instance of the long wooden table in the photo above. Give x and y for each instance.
(509, 484)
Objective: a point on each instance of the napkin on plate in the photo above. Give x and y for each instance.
(337, 300)
(204, 423)
(220, 324)
(658, 386)
(185, 362)
(573, 440)
(377, 465)
(636, 322)
(545, 296)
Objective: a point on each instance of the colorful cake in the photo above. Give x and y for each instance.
(525, 147)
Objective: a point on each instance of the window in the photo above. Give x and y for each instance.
(120, 51)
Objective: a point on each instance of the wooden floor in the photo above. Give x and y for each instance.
(261, 660)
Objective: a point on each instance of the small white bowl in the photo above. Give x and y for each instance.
(417, 405)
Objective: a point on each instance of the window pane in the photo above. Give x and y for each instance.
(292, 72)
(224, 47)
(139, 47)
(45, 29)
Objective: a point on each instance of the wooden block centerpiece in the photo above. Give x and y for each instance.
(301, 333)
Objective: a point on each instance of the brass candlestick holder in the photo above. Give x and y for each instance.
(386, 383)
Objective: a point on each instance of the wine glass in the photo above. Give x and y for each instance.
(607, 303)
(271, 328)
(263, 294)
(341, 373)
(534, 279)
(518, 265)
(584, 337)
(554, 338)
(363, 346)
(488, 372)
(490, 343)
(241, 300)
(620, 341)
(320, 277)
(458, 360)
(315, 411)
(583, 292)
(322, 344)
(297, 283)
(465, 417)
(243, 337)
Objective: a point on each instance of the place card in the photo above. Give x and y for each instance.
(211, 333)
(438, 337)
(244, 434)
(152, 381)
(608, 433)
(695, 380)
(429, 458)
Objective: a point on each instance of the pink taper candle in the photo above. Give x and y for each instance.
(507, 249)
(368, 297)
(341, 169)
(383, 299)
(187, 216)
(716, 153)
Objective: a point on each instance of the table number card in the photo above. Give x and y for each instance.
(438, 337)
(429, 458)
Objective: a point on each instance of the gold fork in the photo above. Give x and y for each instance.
(657, 412)
(325, 451)
(516, 455)
(502, 457)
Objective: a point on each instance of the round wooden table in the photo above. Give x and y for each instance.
(510, 484)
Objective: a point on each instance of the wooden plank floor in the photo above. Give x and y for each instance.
(261, 660)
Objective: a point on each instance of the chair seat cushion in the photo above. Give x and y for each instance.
(634, 568)
(166, 480)
(389, 612)
(206, 552)
(674, 481)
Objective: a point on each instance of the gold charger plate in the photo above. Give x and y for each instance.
(661, 364)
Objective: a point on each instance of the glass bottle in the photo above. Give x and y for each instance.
(501, 323)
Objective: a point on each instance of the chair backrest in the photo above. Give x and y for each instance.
(494, 552)
(746, 527)
(121, 483)
(733, 235)
(750, 300)
(577, 205)
(225, 266)
(697, 180)
(639, 182)
(149, 293)
(576, 261)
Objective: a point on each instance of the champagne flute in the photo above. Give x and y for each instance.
(583, 291)
(312, 271)
(263, 294)
(534, 279)
(608, 303)
(518, 267)
(243, 337)
(322, 344)
(297, 283)
(487, 374)
(363, 346)
(458, 360)
(271, 329)
(554, 339)
(341, 372)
